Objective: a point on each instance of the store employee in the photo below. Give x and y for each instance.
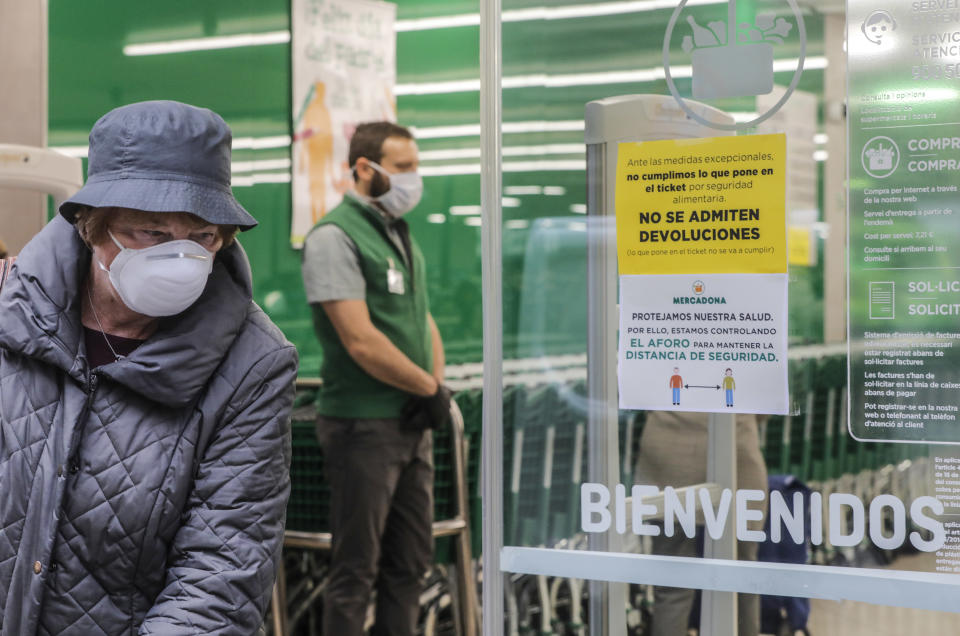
(382, 387)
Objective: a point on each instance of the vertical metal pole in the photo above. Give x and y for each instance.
(596, 417)
(835, 180)
(492, 272)
(278, 602)
(607, 601)
(718, 610)
(466, 583)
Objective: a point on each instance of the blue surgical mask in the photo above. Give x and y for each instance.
(406, 189)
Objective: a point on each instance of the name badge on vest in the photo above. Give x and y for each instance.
(394, 279)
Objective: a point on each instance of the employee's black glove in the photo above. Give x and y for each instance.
(432, 412)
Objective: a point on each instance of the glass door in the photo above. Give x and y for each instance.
(672, 438)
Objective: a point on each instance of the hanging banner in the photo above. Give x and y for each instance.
(344, 70)
(904, 204)
(701, 245)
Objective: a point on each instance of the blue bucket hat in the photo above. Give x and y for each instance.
(161, 156)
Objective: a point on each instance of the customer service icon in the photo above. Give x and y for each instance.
(880, 157)
(878, 26)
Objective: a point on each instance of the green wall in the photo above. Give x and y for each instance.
(544, 281)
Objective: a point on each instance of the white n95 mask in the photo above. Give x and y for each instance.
(406, 189)
(161, 280)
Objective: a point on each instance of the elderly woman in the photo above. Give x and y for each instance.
(144, 398)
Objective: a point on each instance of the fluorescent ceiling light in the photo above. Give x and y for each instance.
(72, 151)
(452, 153)
(517, 224)
(473, 221)
(239, 143)
(417, 24)
(205, 44)
(820, 138)
(809, 64)
(578, 208)
(465, 210)
(545, 80)
(260, 177)
(436, 218)
(508, 151)
(522, 190)
(545, 13)
(440, 132)
(545, 165)
(510, 127)
(569, 125)
(820, 155)
(258, 143)
(437, 22)
(554, 191)
(434, 88)
(260, 164)
(557, 165)
(446, 171)
(473, 210)
(272, 177)
(616, 8)
(592, 79)
(546, 149)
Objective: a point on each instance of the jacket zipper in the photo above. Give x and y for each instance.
(73, 457)
(73, 461)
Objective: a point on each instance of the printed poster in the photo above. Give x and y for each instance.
(904, 260)
(344, 70)
(702, 253)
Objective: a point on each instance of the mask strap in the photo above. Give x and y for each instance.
(377, 167)
(115, 241)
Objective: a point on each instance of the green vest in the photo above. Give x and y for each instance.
(349, 391)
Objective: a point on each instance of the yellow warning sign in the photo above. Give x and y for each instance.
(800, 243)
(702, 206)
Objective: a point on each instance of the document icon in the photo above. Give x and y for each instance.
(881, 301)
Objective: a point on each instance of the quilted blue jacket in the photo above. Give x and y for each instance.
(148, 495)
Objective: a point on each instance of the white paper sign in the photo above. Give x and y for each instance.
(344, 70)
(710, 343)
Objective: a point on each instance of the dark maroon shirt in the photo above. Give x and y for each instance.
(99, 354)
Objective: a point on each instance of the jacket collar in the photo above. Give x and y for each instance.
(376, 216)
(381, 222)
(40, 319)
